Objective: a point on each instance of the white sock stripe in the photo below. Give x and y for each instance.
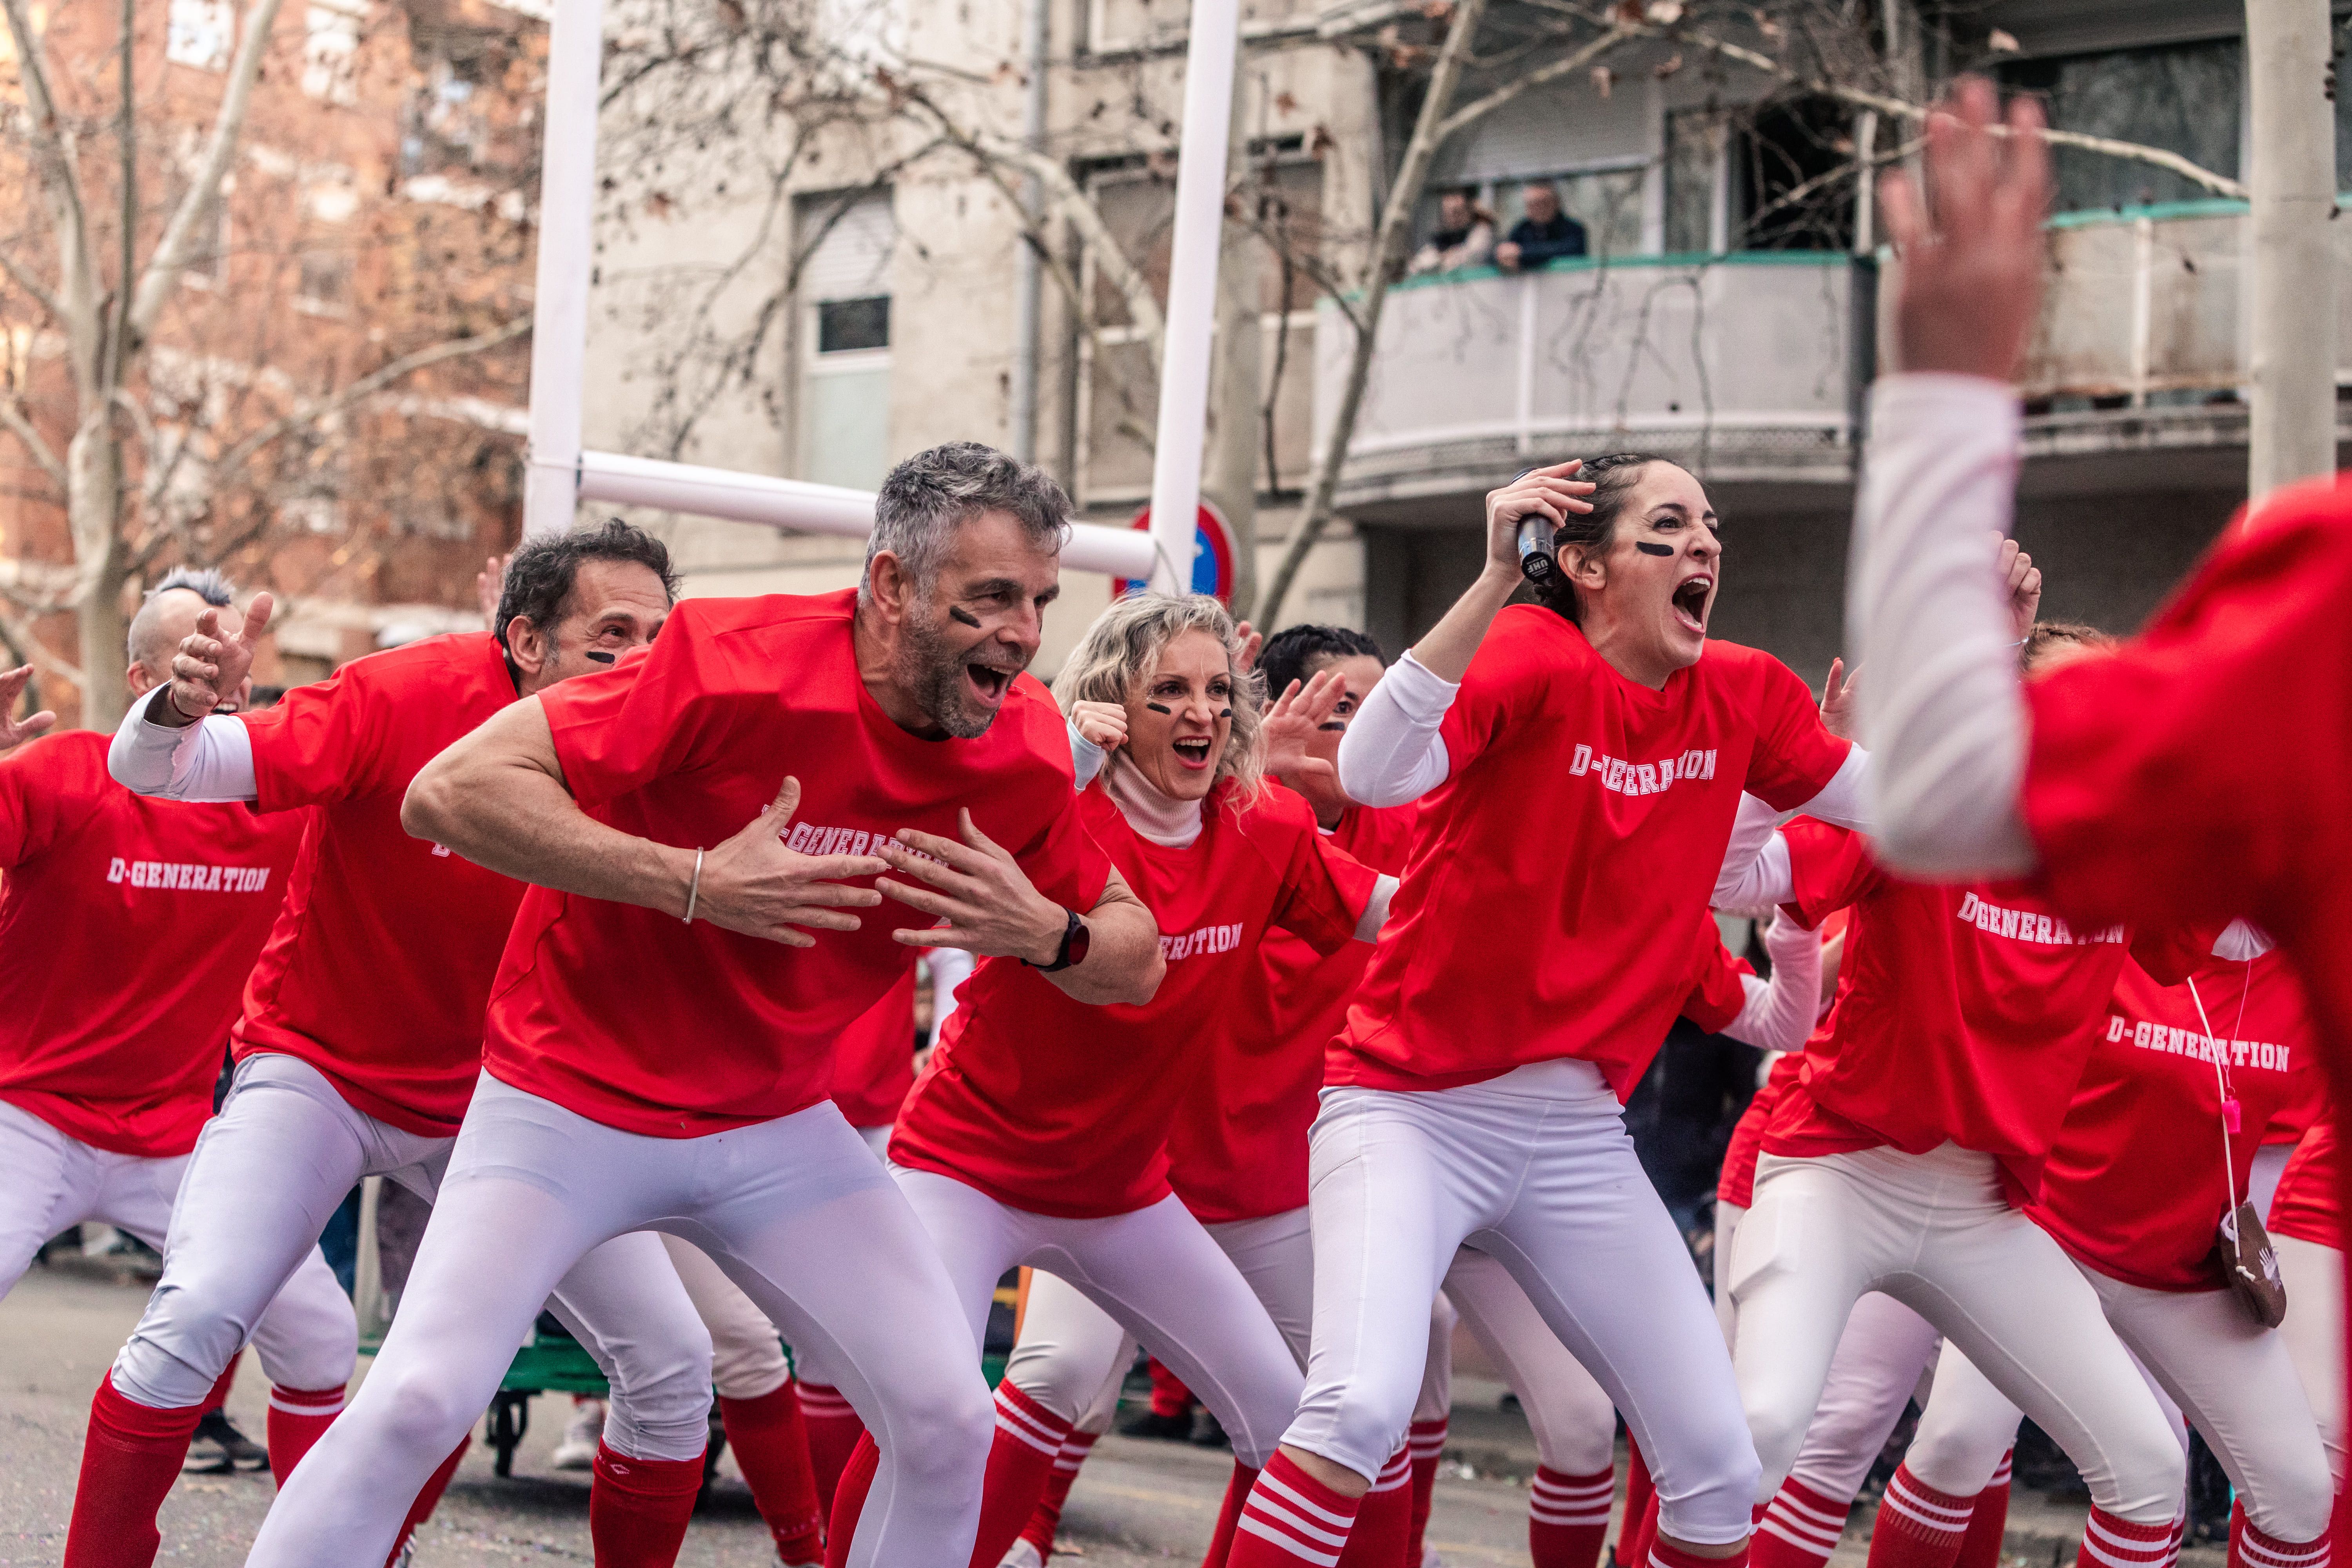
(1574, 1486)
(823, 1404)
(1796, 1509)
(2146, 1553)
(2272, 1552)
(1266, 1483)
(1304, 1553)
(1807, 1543)
(1030, 1420)
(1043, 1445)
(294, 1408)
(1572, 1500)
(1929, 1504)
(1397, 1472)
(1276, 1514)
(1805, 1523)
(1909, 1512)
(2124, 1535)
(1543, 1515)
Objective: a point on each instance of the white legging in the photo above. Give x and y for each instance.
(808, 1361)
(1533, 1168)
(2314, 1332)
(305, 1335)
(795, 1210)
(271, 1168)
(1935, 1232)
(1155, 1271)
(1573, 1420)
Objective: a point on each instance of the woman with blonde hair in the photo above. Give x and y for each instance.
(1037, 1133)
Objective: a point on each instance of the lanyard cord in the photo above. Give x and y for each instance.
(2221, 1079)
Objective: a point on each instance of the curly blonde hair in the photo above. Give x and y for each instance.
(1120, 650)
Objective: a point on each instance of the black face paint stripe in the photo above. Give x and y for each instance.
(959, 613)
(1159, 708)
(1341, 728)
(601, 657)
(1643, 545)
(1224, 712)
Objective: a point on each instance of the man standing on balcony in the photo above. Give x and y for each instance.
(1544, 235)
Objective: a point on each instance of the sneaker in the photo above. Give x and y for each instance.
(218, 1449)
(1023, 1555)
(1167, 1428)
(578, 1449)
(1208, 1432)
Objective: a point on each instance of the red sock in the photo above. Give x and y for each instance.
(298, 1418)
(638, 1509)
(130, 1457)
(1291, 1520)
(2250, 1548)
(1028, 1440)
(833, 1429)
(772, 1452)
(1647, 1530)
(1229, 1513)
(1568, 1517)
(1917, 1526)
(1638, 1493)
(1799, 1528)
(429, 1498)
(1169, 1397)
(849, 1500)
(1039, 1532)
(1664, 1556)
(2112, 1542)
(1980, 1548)
(1384, 1519)
(1426, 1441)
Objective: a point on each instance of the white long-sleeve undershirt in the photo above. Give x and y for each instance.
(1393, 753)
(1926, 613)
(1780, 1012)
(208, 761)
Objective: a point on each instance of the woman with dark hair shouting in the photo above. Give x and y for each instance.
(1582, 760)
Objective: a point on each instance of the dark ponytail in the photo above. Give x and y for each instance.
(1592, 533)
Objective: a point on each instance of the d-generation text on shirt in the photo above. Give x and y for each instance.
(187, 876)
(1641, 778)
(2024, 925)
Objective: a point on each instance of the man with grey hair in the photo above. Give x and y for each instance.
(700, 825)
(126, 930)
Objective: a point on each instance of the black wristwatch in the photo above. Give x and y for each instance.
(1075, 938)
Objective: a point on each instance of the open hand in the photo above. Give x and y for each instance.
(753, 884)
(1102, 723)
(984, 900)
(16, 731)
(1252, 640)
(1840, 712)
(1972, 251)
(211, 668)
(1554, 492)
(2021, 580)
(1290, 726)
(490, 583)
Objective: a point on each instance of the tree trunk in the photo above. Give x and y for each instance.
(93, 505)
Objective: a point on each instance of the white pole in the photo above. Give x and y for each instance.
(1027, 274)
(1192, 288)
(2291, 177)
(559, 334)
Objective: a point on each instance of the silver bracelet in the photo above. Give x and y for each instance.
(694, 888)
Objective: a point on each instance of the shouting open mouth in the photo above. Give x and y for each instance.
(1690, 601)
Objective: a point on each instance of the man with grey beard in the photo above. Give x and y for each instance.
(702, 824)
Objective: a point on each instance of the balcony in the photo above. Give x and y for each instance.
(1734, 366)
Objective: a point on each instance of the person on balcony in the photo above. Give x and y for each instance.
(1544, 235)
(1465, 237)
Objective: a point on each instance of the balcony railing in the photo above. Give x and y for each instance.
(1736, 366)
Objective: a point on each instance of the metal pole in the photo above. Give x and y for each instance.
(2291, 353)
(567, 196)
(1193, 289)
(1027, 273)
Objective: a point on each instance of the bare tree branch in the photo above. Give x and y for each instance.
(33, 286)
(170, 256)
(44, 456)
(60, 181)
(1575, 60)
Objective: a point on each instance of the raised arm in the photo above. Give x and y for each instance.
(497, 797)
(1780, 1012)
(1944, 710)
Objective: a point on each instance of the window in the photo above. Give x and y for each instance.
(199, 32)
(325, 287)
(2187, 99)
(1695, 140)
(844, 383)
(330, 49)
(1790, 177)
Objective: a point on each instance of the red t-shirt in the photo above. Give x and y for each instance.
(1237, 1146)
(2204, 770)
(1963, 1014)
(1737, 1183)
(1053, 1107)
(635, 1019)
(382, 959)
(127, 926)
(874, 1060)
(2309, 1203)
(1581, 816)
(2134, 1184)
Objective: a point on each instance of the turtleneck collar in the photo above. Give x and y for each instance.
(1159, 817)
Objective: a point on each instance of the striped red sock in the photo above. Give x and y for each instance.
(772, 1452)
(1917, 1526)
(2250, 1548)
(1169, 1397)
(1384, 1518)
(638, 1509)
(130, 1457)
(429, 1498)
(298, 1418)
(1664, 1554)
(2112, 1542)
(1039, 1532)
(1291, 1519)
(1568, 1517)
(1426, 1441)
(1641, 1496)
(849, 1500)
(1799, 1528)
(1028, 1439)
(1980, 1548)
(833, 1429)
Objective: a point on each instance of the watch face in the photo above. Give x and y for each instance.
(1080, 935)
